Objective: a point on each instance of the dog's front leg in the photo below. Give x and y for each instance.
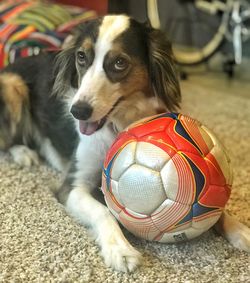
(77, 195)
(115, 249)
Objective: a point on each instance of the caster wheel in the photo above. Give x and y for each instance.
(228, 68)
(183, 75)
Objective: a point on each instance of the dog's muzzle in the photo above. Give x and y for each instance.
(82, 111)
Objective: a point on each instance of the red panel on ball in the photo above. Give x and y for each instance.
(215, 196)
(151, 127)
(216, 175)
(122, 139)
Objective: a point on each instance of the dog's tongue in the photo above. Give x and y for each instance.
(88, 128)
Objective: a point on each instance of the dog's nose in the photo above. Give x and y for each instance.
(81, 110)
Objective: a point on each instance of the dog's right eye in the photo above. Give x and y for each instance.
(81, 58)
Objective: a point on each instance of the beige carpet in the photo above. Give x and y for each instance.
(40, 243)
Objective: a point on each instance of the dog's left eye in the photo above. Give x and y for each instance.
(121, 64)
(81, 58)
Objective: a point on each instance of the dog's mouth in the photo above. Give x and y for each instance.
(88, 128)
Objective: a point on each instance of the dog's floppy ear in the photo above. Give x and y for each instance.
(65, 70)
(163, 75)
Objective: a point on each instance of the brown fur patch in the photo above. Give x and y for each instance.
(87, 43)
(137, 80)
(136, 91)
(138, 77)
(14, 93)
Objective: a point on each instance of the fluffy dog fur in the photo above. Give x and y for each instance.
(112, 72)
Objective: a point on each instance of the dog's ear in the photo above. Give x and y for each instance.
(72, 38)
(163, 74)
(64, 69)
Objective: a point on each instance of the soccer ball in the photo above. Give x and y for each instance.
(167, 178)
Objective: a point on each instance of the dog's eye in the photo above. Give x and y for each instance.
(81, 58)
(121, 64)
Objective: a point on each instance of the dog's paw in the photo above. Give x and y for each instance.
(234, 231)
(241, 238)
(24, 156)
(120, 255)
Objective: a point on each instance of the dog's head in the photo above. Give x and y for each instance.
(114, 67)
(13, 97)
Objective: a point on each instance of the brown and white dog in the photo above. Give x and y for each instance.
(112, 72)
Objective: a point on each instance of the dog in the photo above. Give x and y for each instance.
(68, 107)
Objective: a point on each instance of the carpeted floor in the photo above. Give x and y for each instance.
(40, 243)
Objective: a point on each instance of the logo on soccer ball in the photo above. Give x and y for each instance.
(167, 178)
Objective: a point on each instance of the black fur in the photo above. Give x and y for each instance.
(134, 41)
(47, 112)
(4, 123)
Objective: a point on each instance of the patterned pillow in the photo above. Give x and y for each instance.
(26, 27)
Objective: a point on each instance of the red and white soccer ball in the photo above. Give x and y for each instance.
(167, 178)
